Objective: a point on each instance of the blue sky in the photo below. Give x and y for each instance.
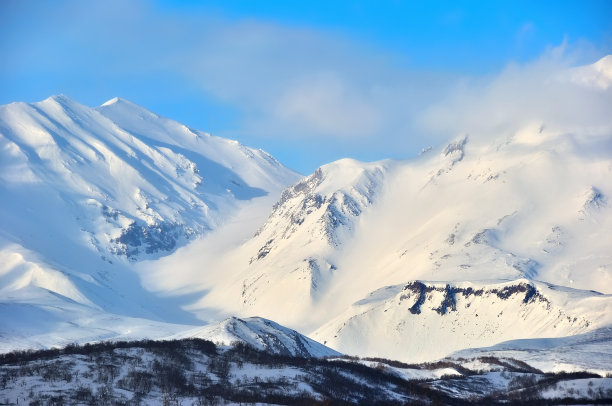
(308, 81)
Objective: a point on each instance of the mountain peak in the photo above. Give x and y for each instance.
(604, 64)
(123, 105)
(263, 334)
(118, 101)
(60, 99)
(112, 101)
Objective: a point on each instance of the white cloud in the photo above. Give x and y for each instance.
(545, 92)
(300, 83)
(326, 105)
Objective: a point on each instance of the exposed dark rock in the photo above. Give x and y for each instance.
(110, 213)
(420, 289)
(449, 301)
(138, 238)
(263, 251)
(456, 149)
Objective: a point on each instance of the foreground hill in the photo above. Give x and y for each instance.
(261, 334)
(194, 371)
(426, 320)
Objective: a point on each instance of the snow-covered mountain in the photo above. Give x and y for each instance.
(261, 334)
(292, 253)
(488, 238)
(527, 209)
(120, 179)
(87, 192)
(426, 320)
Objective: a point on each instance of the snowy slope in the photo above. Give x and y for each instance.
(261, 334)
(87, 192)
(426, 320)
(590, 351)
(42, 307)
(532, 206)
(119, 179)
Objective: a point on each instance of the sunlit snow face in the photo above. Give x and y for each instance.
(115, 216)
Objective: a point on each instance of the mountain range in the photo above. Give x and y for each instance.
(116, 223)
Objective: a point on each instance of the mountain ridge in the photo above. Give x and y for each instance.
(86, 195)
(122, 216)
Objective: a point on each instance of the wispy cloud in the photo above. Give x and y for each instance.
(299, 83)
(548, 91)
(287, 81)
(292, 82)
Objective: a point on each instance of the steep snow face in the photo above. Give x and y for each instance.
(284, 270)
(119, 179)
(226, 165)
(262, 334)
(425, 320)
(530, 206)
(324, 206)
(89, 192)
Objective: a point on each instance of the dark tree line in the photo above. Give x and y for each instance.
(195, 371)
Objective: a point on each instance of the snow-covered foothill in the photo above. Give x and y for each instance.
(422, 321)
(591, 351)
(261, 334)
